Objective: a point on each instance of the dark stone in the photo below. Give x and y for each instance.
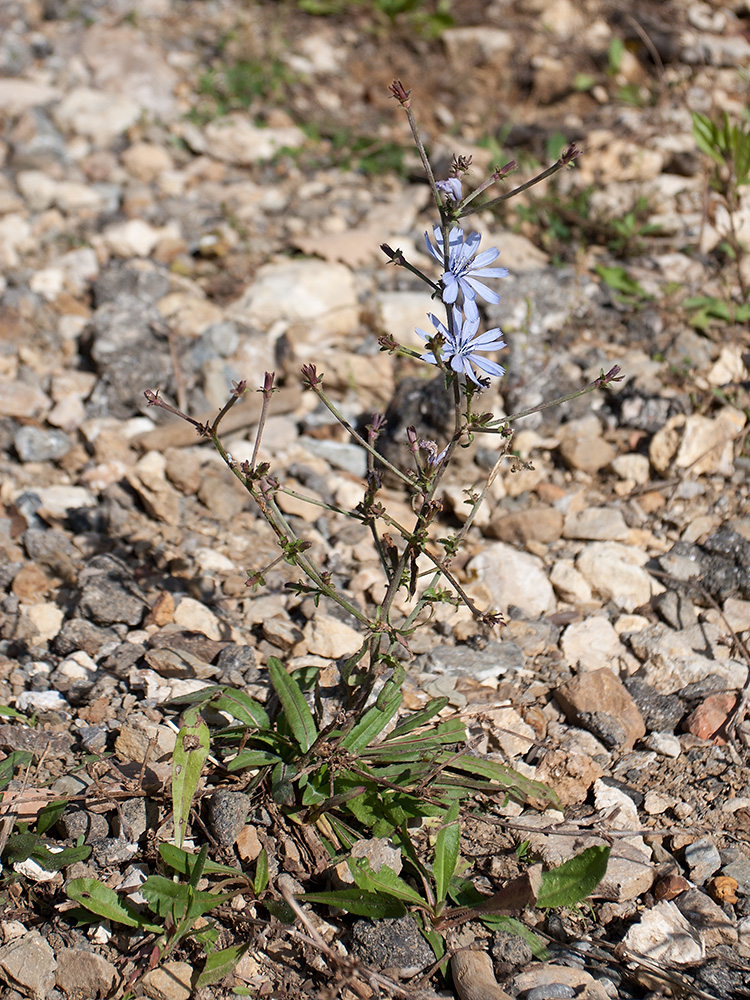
(662, 713)
(392, 944)
(52, 548)
(110, 594)
(78, 633)
(240, 660)
(509, 952)
(130, 821)
(227, 814)
(75, 823)
(605, 727)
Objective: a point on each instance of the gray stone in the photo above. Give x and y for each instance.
(28, 964)
(227, 813)
(392, 944)
(110, 594)
(75, 823)
(35, 445)
(703, 859)
(83, 975)
(707, 917)
(495, 660)
(662, 713)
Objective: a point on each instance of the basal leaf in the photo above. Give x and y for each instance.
(104, 902)
(446, 852)
(363, 904)
(418, 719)
(385, 882)
(575, 879)
(183, 862)
(221, 963)
(242, 707)
(247, 760)
(372, 724)
(293, 702)
(191, 750)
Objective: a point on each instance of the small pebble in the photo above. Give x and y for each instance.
(551, 991)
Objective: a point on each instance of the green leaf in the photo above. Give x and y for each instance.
(49, 815)
(372, 723)
(363, 904)
(221, 963)
(574, 880)
(191, 750)
(384, 882)
(242, 707)
(16, 759)
(183, 862)
(620, 281)
(104, 902)
(260, 882)
(30, 846)
(513, 926)
(418, 719)
(446, 852)
(293, 702)
(247, 760)
(178, 900)
(707, 137)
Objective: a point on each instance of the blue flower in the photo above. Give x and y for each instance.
(464, 268)
(462, 347)
(451, 187)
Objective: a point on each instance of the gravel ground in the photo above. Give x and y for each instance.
(195, 193)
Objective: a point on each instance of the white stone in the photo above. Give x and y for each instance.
(48, 283)
(96, 114)
(330, 638)
(729, 367)
(196, 617)
(314, 296)
(514, 736)
(708, 443)
(570, 585)
(663, 936)
(134, 238)
(17, 96)
(632, 466)
(514, 577)
(236, 140)
(15, 238)
(616, 572)
(46, 618)
(58, 500)
(665, 744)
(398, 314)
(41, 701)
(602, 524)
(593, 643)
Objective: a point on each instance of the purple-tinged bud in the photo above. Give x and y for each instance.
(398, 91)
(310, 376)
